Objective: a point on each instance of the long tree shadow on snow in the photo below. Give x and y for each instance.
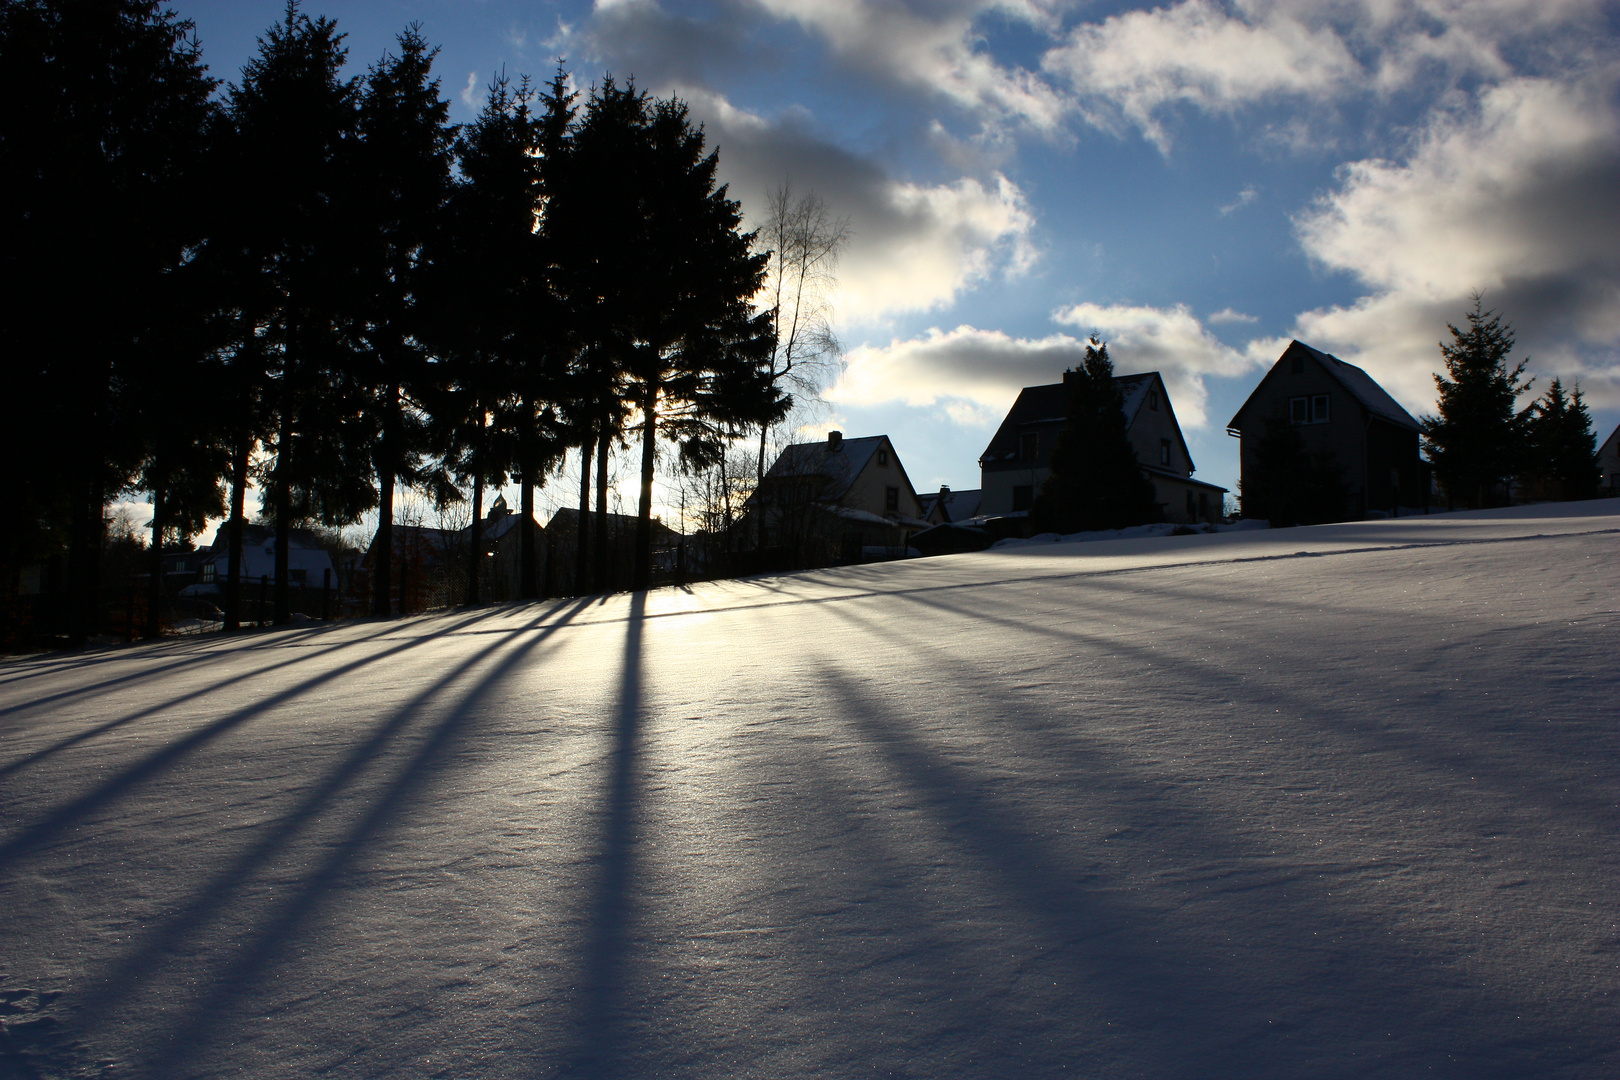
(174, 1049)
(50, 825)
(600, 1032)
(1214, 1005)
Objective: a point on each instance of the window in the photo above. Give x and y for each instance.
(208, 573)
(1028, 445)
(1023, 496)
(1308, 410)
(1164, 451)
(883, 457)
(891, 499)
(1298, 365)
(297, 576)
(1153, 400)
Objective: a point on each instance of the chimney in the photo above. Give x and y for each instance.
(835, 441)
(1069, 375)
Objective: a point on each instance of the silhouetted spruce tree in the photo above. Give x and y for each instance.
(295, 136)
(1477, 440)
(483, 274)
(1561, 457)
(676, 274)
(107, 103)
(1096, 481)
(595, 224)
(403, 181)
(1288, 485)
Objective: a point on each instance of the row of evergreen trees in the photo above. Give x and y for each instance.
(317, 284)
(1482, 444)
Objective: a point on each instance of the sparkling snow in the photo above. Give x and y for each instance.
(1326, 802)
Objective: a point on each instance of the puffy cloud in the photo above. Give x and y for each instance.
(1172, 342)
(1133, 68)
(935, 49)
(1227, 315)
(1513, 196)
(913, 246)
(1129, 67)
(977, 373)
(966, 365)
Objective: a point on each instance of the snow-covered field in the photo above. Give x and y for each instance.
(1340, 801)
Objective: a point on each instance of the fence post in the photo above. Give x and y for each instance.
(326, 592)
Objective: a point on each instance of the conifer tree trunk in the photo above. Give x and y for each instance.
(382, 546)
(582, 544)
(603, 566)
(154, 586)
(642, 577)
(528, 578)
(282, 604)
(233, 535)
(475, 532)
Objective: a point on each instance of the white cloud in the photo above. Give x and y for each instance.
(1244, 198)
(1135, 68)
(1515, 196)
(913, 246)
(966, 365)
(977, 373)
(469, 93)
(936, 50)
(1128, 68)
(1227, 315)
(1172, 342)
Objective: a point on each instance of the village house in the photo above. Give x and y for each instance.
(950, 506)
(843, 500)
(1339, 410)
(1019, 458)
(308, 564)
(1609, 462)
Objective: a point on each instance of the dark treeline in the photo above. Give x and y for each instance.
(317, 286)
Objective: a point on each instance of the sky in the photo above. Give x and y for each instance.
(1195, 183)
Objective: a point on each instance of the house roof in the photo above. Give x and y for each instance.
(567, 520)
(1049, 404)
(958, 504)
(840, 467)
(1356, 382)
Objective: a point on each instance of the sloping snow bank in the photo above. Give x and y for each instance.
(1330, 802)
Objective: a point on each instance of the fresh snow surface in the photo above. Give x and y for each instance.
(1324, 802)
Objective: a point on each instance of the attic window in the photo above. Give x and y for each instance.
(1027, 444)
(1153, 400)
(883, 457)
(891, 499)
(1308, 410)
(1164, 451)
(1298, 365)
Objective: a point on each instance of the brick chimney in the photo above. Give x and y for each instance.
(835, 441)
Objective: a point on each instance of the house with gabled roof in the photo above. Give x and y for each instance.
(1336, 409)
(1019, 458)
(837, 500)
(1609, 463)
(950, 506)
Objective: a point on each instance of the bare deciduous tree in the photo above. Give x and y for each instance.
(805, 243)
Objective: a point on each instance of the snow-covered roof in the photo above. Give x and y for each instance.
(959, 505)
(839, 463)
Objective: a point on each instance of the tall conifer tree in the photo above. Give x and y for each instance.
(1096, 482)
(1477, 440)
